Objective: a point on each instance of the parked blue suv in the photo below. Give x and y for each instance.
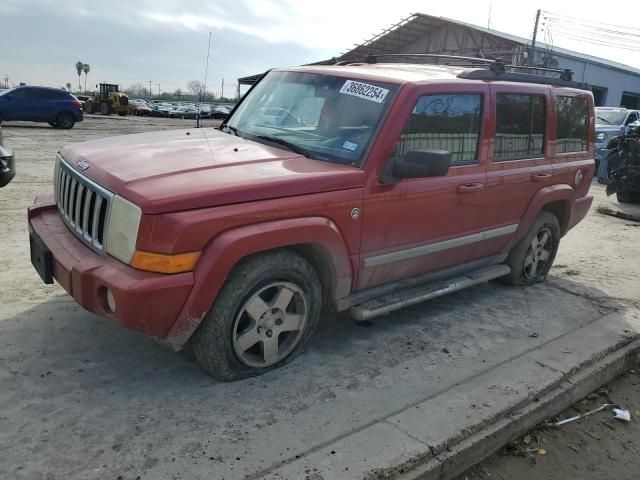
(55, 106)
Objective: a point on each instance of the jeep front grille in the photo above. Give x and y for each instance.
(84, 206)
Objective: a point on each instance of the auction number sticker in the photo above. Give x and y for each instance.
(364, 90)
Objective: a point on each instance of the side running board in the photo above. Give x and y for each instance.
(398, 300)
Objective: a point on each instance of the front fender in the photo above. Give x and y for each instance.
(224, 252)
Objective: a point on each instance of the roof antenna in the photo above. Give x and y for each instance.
(489, 19)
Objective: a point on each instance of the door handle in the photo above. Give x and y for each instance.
(540, 177)
(470, 187)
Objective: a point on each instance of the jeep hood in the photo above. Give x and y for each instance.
(170, 171)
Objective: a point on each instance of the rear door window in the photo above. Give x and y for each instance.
(572, 124)
(444, 122)
(520, 126)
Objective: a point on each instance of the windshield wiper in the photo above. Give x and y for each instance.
(285, 143)
(231, 129)
(604, 119)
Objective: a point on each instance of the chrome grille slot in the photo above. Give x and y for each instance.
(84, 206)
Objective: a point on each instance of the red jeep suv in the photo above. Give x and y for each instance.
(364, 187)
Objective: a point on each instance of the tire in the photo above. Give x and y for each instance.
(105, 108)
(525, 268)
(88, 107)
(624, 197)
(256, 284)
(122, 114)
(65, 121)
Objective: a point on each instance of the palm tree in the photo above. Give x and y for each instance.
(79, 66)
(86, 68)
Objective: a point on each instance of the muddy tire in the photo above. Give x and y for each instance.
(532, 257)
(263, 317)
(89, 107)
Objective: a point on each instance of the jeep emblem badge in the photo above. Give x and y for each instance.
(83, 165)
(355, 213)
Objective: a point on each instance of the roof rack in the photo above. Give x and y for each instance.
(497, 70)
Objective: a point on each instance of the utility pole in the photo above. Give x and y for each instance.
(150, 93)
(6, 81)
(533, 41)
(222, 89)
(158, 88)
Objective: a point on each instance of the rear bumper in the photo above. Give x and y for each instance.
(146, 302)
(579, 210)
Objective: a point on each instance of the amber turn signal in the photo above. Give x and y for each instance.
(157, 262)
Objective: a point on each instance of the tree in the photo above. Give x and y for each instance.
(137, 91)
(79, 67)
(68, 86)
(196, 88)
(86, 68)
(178, 93)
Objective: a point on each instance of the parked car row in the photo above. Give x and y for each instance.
(159, 108)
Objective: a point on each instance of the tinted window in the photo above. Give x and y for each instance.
(520, 123)
(23, 93)
(50, 95)
(572, 124)
(444, 122)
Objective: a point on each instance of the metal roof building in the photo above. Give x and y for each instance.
(614, 84)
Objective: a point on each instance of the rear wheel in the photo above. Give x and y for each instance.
(105, 108)
(88, 106)
(531, 258)
(624, 197)
(65, 121)
(263, 317)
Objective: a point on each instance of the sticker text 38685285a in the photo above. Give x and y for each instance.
(364, 90)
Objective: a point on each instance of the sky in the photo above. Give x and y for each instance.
(165, 41)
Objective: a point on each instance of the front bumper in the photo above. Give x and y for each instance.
(146, 302)
(7, 165)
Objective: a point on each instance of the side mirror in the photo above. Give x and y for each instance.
(417, 164)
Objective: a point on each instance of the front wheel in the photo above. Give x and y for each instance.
(531, 258)
(263, 317)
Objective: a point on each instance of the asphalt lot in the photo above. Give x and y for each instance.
(82, 398)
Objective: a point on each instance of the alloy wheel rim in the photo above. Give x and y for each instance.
(270, 324)
(538, 254)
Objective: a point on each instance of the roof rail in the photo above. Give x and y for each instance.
(374, 58)
(496, 69)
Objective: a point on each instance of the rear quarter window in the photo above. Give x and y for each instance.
(572, 124)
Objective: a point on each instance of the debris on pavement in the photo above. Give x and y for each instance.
(620, 414)
(582, 415)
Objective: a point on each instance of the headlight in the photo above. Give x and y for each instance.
(122, 230)
(56, 177)
(600, 137)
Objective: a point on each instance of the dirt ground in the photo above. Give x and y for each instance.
(596, 447)
(82, 398)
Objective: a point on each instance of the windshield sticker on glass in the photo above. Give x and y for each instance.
(347, 145)
(364, 90)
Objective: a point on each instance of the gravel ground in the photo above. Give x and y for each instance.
(82, 398)
(596, 447)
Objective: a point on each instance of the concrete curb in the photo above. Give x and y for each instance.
(493, 437)
(442, 436)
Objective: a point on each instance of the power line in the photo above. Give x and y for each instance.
(592, 22)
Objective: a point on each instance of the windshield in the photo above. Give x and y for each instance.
(320, 116)
(610, 117)
(4, 92)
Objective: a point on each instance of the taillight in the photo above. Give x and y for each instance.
(77, 102)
